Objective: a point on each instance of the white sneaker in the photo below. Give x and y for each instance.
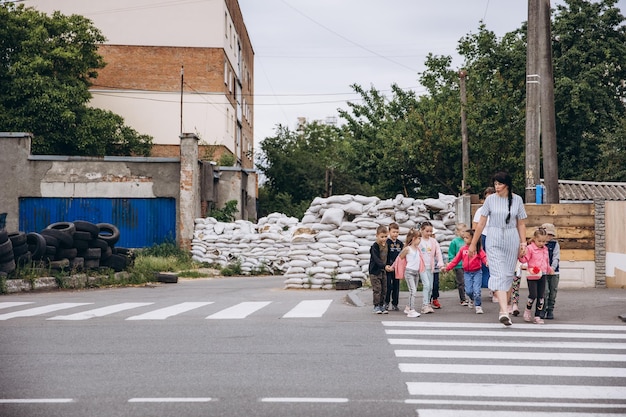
(406, 310)
(413, 313)
(470, 304)
(479, 310)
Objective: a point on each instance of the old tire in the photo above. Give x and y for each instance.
(109, 233)
(36, 245)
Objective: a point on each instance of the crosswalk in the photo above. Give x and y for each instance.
(459, 369)
(87, 311)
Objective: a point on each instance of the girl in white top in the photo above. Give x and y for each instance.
(414, 269)
(431, 254)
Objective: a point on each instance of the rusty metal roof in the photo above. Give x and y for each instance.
(579, 191)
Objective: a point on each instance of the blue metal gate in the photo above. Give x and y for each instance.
(142, 222)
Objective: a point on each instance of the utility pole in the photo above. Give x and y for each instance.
(182, 83)
(548, 118)
(464, 139)
(532, 175)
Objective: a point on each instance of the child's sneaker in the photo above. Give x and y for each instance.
(464, 303)
(436, 303)
(406, 310)
(479, 310)
(470, 304)
(527, 316)
(413, 313)
(539, 320)
(515, 309)
(427, 309)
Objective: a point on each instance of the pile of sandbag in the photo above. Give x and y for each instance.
(330, 243)
(261, 247)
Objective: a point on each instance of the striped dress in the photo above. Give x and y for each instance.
(504, 240)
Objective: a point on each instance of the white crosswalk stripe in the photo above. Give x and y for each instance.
(242, 310)
(557, 370)
(35, 311)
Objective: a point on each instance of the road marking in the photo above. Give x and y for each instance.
(452, 389)
(40, 310)
(308, 309)
(532, 356)
(8, 304)
(164, 313)
(507, 403)
(521, 326)
(437, 412)
(501, 343)
(303, 400)
(35, 400)
(99, 312)
(466, 369)
(171, 400)
(239, 311)
(507, 334)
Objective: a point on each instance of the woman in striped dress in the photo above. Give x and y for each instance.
(507, 238)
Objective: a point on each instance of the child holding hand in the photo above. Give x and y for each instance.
(538, 266)
(472, 269)
(411, 260)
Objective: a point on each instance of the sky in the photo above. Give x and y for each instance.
(309, 52)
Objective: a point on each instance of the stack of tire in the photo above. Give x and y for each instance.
(74, 245)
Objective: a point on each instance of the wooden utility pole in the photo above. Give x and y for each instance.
(532, 103)
(548, 118)
(464, 140)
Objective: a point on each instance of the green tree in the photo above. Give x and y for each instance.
(46, 67)
(590, 92)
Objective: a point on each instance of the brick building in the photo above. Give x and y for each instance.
(177, 67)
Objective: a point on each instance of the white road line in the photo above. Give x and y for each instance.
(523, 326)
(303, 400)
(239, 311)
(171, 400)
(164, 313)
(99, 312)
(502, 343)
(308, 309)
(500, 413)
(35, 400)
(509, 404)
(537, 356)
(508, 333)
(467, 369)
(9, 304)
(40, 310)
(452, 389)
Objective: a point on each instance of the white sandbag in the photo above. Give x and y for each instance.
(340, 199)
(309, 218)
(348, 226)
(353, 208)
(333, 216)
(301, 263)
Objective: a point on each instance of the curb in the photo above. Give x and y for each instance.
(353, 298)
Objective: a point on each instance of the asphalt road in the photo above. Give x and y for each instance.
(246, 347)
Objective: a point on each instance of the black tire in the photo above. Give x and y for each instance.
(69, 253)
(36, 245)
(81, 245)
(99, 243)
(118, 250)
(106, 253)
(67, 227)
(59, 264)
(6, 247)
(20, 250)
(7, 257)
(109, 233)
(8, 267)
(80, 235)
(77, 264)
(84, 226)
(17, 238)
(4, 235)
(64, 238)
(92, 263)
(166, 277)
(92, 253)
(50, 254)
(24, 259)
(115, 262)
(50, 240)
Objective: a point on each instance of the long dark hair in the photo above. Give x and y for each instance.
(505, 178)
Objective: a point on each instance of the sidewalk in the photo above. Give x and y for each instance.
(602, 306)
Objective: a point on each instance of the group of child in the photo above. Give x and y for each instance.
(420, 258)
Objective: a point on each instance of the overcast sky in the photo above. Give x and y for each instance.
(309, 52)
